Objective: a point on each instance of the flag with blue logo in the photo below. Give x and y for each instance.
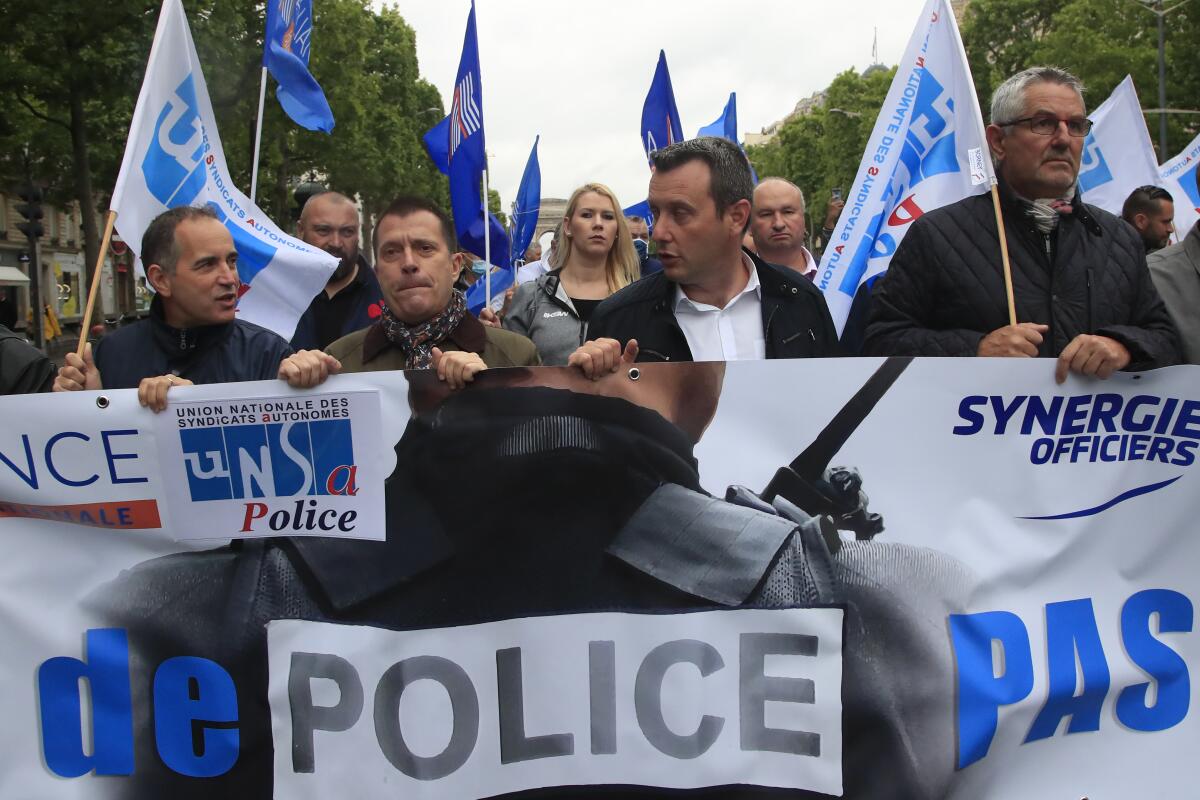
(1178, 176)
(1117, 155)
(437, 145)
(660, 116)
(285, 55)
(173, 157)
(466, 156)
(927, 150)
(529, 203)
(725, 126)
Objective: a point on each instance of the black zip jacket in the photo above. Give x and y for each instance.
(796, 321)
(944, 290)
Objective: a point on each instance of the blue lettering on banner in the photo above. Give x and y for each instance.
(239, 462)
(1078, 676)
(1093, 168)
(191, 696)
(1101, 428)
(173, 165)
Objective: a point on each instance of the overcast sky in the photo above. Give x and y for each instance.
(577, 72)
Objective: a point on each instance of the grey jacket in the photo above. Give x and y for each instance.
(542, 311)
(1176, 274)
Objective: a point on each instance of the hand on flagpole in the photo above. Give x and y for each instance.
(1013, 341)
(79, 373)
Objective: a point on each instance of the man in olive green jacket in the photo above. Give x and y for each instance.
(425, 323)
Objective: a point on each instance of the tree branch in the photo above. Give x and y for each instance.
(40, 115)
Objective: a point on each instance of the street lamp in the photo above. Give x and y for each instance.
(1159, 9)
(844, 112)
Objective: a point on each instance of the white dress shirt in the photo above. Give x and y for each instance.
(732, 333)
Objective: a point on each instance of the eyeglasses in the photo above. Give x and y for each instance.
(1046, 125)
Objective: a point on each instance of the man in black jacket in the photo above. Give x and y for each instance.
(1081, 288)
(193, 334)
(712, 301)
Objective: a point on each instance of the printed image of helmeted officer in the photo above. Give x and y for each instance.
(540, 491)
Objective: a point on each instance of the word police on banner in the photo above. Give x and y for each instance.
(683, 700)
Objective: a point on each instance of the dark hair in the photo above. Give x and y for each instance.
(1144, 200)
(406, 205)
(158, 242)
(730, 170)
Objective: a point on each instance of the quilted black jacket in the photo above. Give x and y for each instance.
(944, 290)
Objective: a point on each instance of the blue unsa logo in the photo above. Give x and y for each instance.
(240, 462)
(174, 163)
(1093, 168)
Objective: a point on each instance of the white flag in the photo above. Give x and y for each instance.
(928, 150)
(173, 157)
(1178, 176)
(1117, 155)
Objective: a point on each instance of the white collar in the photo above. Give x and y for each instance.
(752, 285)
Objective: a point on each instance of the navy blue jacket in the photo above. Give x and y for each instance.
(360, 301)
(229, 353)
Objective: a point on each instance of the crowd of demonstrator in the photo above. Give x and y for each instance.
(724, 274)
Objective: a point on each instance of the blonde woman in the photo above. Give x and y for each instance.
(596, 258)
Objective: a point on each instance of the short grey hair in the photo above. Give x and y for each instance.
(731, 178)
(803, 200)
(1008, 101)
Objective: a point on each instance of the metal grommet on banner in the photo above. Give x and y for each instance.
(634, 373)
(102, 402)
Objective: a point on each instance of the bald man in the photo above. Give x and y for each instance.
(777, 226)
(351, 299)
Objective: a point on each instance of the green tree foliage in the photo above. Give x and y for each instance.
(1101, 41)
(821, 150)
(69, 80)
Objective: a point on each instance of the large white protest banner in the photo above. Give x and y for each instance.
(1180, 176)
(173, 157)
(927, 150)
(1117, 155)
(948, 578)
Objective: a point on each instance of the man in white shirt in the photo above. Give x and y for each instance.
(777, 225)
(712, 301)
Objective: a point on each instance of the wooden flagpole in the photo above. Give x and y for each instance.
(1008, 284)
(93, 290)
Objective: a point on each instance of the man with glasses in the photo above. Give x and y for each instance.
(1081, 289)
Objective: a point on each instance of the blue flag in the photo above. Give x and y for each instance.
(726, 128)
(660, 117)
(642, 210)
(476, 295)
(467, 158)
(437, 145)
(726, 125)
(285, 55)
(529, 201)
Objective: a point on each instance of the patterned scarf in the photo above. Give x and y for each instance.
(1045, 213)
(417, 341)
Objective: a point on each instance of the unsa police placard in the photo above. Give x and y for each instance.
(711, 698)
(298, 465)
